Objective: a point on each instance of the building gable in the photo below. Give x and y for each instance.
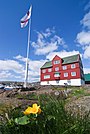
(66, 60)
(56, 60)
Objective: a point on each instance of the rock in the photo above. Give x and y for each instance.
(81, 105)
(2, 90)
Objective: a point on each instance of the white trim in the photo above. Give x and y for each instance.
(56, 62)
(64, 67)
(73, 82)
(44, 71)
(73, 73)
(50, 70)
(56, 68)
(66, 74)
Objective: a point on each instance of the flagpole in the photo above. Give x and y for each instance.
(27, 60)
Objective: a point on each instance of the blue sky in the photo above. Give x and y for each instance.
(59, 27)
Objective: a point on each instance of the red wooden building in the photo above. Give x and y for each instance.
(63, 70)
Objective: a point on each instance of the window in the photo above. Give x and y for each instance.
(43, 71)
(73, 73)
(57, 75)
(65, 74)
(69, 82)
(57, 68)
(73, 66)
(50, 70)
(57, 81)
(47, 82)
(56, 61)
(46, 76)
(64, 67)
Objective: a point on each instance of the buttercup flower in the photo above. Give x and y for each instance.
(35, 109)
(28, 111)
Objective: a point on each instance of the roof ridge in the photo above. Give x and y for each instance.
(66, 60)
(70, 56)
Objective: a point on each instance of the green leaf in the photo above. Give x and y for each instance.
(22, 120)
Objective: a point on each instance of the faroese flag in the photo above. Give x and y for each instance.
(25, 19)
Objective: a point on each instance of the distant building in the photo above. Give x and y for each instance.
(87, 78)
(61, 71)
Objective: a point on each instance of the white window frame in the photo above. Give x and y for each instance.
(73, 73)
(64, 67)
(56, 68)
(50, 70)
(56, 62)
(66, 74)
(73, 66)
(46, 76)
(44, 71)
(57, 75)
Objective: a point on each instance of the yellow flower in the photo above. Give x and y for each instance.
(39, 110)
(28, 111)
(35, 109)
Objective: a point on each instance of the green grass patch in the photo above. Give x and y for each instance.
(54, 119)
(80, 92)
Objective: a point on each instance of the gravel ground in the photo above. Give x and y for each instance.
(79, 105)
(74, 103)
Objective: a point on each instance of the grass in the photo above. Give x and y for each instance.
(54, 119)
(4, 107)
(80, 92)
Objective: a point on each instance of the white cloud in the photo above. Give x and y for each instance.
(47, 42)
(48, 32)
(19, 57)
(62, 54)
(86, 70)
(86, 21)
(57, 39)
(34, 65)
(5, 75)
(11, 70)
(34, 69)
(87, 52)
(11, 65)
(83, 38)
(15, 70)
(47, 49)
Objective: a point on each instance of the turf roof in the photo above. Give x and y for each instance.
(66, 60)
